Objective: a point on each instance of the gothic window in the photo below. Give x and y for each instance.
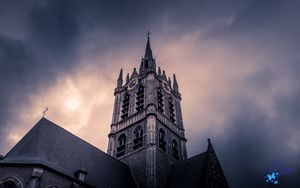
(121, 145)
(140, 99)
(162, 139)
(175, 151)
(160, 101)
(172, 110)
(138, 138)
(125, 105)
(10, 182)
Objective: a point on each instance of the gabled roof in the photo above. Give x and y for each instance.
(50, 145)
(188, 173)
(201, 171)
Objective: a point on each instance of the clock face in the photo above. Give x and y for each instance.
(132, 84)
(166, 87)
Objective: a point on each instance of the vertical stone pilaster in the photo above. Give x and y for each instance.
(151, 152)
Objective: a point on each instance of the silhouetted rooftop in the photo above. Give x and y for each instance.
(52, 146)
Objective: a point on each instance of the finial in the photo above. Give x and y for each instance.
(169, 82)
(175, 84)
(164, 76)
(208, 140)
(120, 79)
(127, 78)
(148, 34)
(44, 112)
(159, 71)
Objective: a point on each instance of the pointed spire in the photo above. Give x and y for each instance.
(120, 79)
(148, 51)
(159, 71)
(134, 74)
(175, 84)
(164, 76)
(141, 67)
(213, 165)
(169, 82)
(127, 78)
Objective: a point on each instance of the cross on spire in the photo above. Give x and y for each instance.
(148, 34)
(44, 112)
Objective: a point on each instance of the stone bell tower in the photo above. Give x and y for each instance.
(147, 130)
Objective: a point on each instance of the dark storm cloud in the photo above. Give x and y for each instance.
(39, 41)
(34, 57)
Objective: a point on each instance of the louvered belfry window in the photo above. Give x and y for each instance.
(160, 98)
(140, 99)
(125, 105)
(172, 110)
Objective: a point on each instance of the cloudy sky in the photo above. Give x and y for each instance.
(237, 64)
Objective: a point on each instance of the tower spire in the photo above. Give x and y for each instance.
(148, 51)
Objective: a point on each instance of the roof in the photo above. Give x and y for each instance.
(50, 145)
(188, 173)
(203, 170)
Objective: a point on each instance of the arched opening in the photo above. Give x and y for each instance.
(172, 110)
(125, 105)
(175, 150)
(138, 138)
(140, 99)
(10, 182)
(162, 139)
(160, 100)
(121, 145)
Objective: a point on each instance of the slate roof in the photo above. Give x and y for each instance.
(189, 173)
(50, 145)
(201, 171)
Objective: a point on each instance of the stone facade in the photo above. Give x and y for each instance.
(147, 102)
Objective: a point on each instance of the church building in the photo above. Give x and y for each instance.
(146, 149)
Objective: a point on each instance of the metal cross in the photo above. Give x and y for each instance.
(148, 34)
(44, 112)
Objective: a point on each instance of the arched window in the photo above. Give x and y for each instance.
(172, 110)
(121, 145)
(162, 139)
(140, 99)
(175, 150)
(125, 105)
(160, 100)
(138, 138)
(10, 182)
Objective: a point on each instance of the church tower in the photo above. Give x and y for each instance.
(147, 130)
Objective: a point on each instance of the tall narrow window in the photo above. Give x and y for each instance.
(175, 151)
(140, 99)
(138, 138)
(160, 101)
(121, 145)
(125, 105)
(172, 110)
(162, 139)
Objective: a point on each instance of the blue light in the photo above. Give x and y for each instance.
(272, 178)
